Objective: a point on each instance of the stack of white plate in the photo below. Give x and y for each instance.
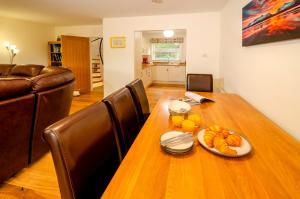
(180, 148)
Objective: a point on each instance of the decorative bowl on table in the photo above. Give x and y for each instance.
(177, 107)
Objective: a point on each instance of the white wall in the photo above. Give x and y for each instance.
(81, 31)
(265, 75)
(146, 45)
(138, 54)
(94, 48)
(203, 42)
(31, 38)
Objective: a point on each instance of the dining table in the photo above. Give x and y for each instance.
(270, 171)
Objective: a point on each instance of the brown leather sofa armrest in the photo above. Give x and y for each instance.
(13, 87)
(28, 70)
(51, 78)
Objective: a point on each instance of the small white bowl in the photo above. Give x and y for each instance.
(177, 107)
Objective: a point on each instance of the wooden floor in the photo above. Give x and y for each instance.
(38, 181)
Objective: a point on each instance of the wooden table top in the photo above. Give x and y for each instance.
(272, 170)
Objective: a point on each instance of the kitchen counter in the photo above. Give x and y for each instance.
(144, 66)
(168, 64)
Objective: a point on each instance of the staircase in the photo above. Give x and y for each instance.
(97, 76)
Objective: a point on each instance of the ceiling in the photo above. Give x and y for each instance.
(77, 12)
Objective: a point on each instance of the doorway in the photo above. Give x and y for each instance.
(96, 63)
(160, 57)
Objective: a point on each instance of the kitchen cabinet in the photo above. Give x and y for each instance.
(176, 73)
(146, 76)
(160, 73)
(168, 74)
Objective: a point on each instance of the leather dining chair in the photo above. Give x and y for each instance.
(85, 151)
(139, 96)
(125, 115)
(200, 82)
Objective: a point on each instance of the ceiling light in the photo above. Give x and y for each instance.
(157, 1)
(169, 33)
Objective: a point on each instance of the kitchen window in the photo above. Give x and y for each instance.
(166, 52)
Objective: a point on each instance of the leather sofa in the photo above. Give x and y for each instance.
(5, 69)
(32, 97)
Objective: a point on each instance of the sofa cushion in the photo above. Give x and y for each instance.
(28, 70)
(13, 87)
(5, 69)
(51, 77)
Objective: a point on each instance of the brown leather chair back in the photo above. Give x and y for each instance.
(139, 96)
(200, 82)
(85, 152)
(125, 115)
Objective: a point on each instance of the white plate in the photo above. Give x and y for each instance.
(244, 149)
(176, 152)
(180, 147)
(178, 107)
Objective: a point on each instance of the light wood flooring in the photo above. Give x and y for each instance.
(38, 181)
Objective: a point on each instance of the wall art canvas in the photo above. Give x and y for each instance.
(267, 21)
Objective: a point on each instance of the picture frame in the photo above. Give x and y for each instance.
(118, 42)
(266, 21)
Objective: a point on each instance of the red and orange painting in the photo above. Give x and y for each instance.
(267, 21)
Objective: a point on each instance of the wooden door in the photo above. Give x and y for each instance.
(76, 56)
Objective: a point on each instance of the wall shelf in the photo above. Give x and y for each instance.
(54, 53)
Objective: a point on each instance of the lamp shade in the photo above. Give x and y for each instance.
(16, 51)
(12, 47)
(6, 44)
